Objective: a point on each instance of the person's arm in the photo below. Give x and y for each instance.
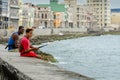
(31, 46)
(31, 49)
(28, 48)
(16, 38)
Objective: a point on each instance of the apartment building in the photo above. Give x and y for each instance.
(115, 18)
(103, 12)
(71, 7)
(14, 13)
(56, 14)
(86, 17)
(43, 17)
(4, 14)
(27, 16)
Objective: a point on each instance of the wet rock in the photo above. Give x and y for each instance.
(46, 56)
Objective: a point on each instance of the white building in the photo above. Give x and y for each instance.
(13, 13)
(103, 12)
(27, 16)
(71, 6)
(86, 17)
(4, 14)
(9, 11)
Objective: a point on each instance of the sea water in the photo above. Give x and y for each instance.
(97, 57)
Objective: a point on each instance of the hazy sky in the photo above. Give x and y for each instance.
(114, 3)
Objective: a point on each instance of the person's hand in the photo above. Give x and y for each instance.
(35, 49)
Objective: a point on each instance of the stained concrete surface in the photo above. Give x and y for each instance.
(37, 69)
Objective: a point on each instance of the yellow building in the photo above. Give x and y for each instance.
(57, 19)
(103, 12)
(57, 15)
(115, 20)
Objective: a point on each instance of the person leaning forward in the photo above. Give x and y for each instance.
(13, 41)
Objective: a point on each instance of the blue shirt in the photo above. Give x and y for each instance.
(11, 42)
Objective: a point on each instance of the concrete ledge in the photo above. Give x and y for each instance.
(8, 72)
(13, 67)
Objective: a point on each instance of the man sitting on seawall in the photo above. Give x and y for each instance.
(13, 41)
(25, 48)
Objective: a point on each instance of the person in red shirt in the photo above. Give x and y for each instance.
(25, 48)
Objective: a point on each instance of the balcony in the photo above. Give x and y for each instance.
(14, 3)
(14, 16)
(14, 6)
(14, 13)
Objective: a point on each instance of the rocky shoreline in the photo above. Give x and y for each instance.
(37, 40)
(50, 38)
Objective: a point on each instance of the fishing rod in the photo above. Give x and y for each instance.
(43, 45)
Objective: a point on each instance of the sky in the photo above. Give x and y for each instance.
(114, 3)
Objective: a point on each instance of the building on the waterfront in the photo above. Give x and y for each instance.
(27, 15)
(115, 18)
(20, 12)
(103, 12)
(55, 15)
(86, 17)
(71, 7)
(13, 13)
(9, 13)
(4, 14)
(43, 17)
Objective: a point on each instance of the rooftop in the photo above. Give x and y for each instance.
(56, 7)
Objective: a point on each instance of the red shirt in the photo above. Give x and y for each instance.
(25, 43)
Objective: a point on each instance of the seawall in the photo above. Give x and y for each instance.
(14, 67)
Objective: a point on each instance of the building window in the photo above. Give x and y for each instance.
(78, 24)
(78, 10)
(14, 2)
(54, 16)
(105, 24)
(77, 17)
(105, 8)
(42, 16)
(69, 5)
(105, 19)
(45, 16)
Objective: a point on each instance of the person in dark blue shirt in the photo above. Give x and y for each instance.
(13, 41)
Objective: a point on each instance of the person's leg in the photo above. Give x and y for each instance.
(30, 54)
(14, 50)
(39, 56)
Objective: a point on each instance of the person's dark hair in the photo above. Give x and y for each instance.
(28, 30)
(20, 27)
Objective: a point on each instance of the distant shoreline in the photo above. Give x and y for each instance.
(50, 38)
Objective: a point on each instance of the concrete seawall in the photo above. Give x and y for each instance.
(13, 67)
(47, 31)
